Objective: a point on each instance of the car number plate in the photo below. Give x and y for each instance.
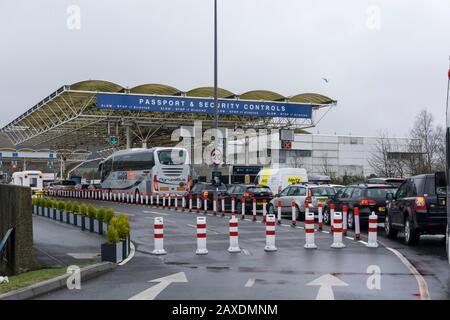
(381, 209)
(442, 202)
(259, 203)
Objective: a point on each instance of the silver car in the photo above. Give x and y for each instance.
(299, 193)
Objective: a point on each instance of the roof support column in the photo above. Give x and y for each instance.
(128, 136)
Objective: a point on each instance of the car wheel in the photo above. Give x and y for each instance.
(326, 217)
(412, 236)
(350, 220)
(390, 232)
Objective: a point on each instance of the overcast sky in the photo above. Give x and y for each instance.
(385, 60)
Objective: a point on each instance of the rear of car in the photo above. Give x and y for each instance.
(206, 190)
(65, 185)
(319, 195)
(374, 200)
(260, 193)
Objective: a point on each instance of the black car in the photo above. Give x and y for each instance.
(418, 207)
(367, 197)
(248, 192)
(205, 189)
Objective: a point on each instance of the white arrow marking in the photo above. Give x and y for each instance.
(326, 283)
(153, 292)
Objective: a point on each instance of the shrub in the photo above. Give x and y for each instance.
(38, 201)
(92, 212)
(48, 203)
(33, 201)
(113, 222)
(101, 213)
(61, 205)
(83, 209)
(76, 208)
(112, 236)
(123, 226)
(54, 204)
(109, 215)
(68, 207)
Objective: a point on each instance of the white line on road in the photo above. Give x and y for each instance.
(363, 242)
(250, 283)
(324, 231)
(423, 287)
(246, 252)
(155, 212)
(350, 238)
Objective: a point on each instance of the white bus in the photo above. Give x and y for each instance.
(157, 170)
(30, 178)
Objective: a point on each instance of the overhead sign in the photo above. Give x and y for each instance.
(249, 108)
(247, 170)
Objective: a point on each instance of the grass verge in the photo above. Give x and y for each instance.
(28, 278)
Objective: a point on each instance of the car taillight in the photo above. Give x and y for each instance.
(367, 202)
(271, 194)
(205, 194)
(155, 182)
(308, 198)
(248, 194)
(420, 204)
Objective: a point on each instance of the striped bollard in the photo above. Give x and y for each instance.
(214, 205)
(357, 225)
(190, 203)
(132, 198)
(164, 200)
(114, 196)
(201, 236)
(198, 203)
(309, 230)
(142, 198)
(176, 202)
(128, 197)
(146, 198)
(344, 220)
(373, 229)
(279, 211)
(159, 236)
(183, 202)
(169, 204)
(332, 216)
(337, 231)
(264, 211)
(222, 199)
(233, 203)
(294, 212)
(234, 236)
(151, 199)
(320, 215)
(270, 233)
(157, 199)
(243, 208)
(205, 204)
(254, 209)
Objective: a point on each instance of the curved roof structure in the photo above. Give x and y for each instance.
(69, 117)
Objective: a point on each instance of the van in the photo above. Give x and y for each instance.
(278, 179)
(30, 178)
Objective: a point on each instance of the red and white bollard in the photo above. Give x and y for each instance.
(264, 211)
(233, 203)
(151, 199)
(146, 198)
(164, 201)
(214, 205)
(159, 237)
(337, 231)
(356, 222)
(270, 233)
(169, 204)
(279, 211)
(234, 236)
(320, 215)
(332, 216)
(198, 203)
(222, 199)
(183, 203)
(128, 197)
(201, 236)
(190, 203)
(294, 213)
(309, 229)
(142, 198)
(344, 219)
(254, 209)
(157, 199)
(176, 202)
(372, 232)
(205, 204)
(243, 208)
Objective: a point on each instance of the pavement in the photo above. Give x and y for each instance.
(292, 272)
(58, 244)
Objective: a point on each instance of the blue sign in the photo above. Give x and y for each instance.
(203, 106)
(50, 155)
(15, 154)
(0, 154)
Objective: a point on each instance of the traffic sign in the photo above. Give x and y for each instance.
(50, 164)
(286, 144)
(114, 140)
(216, 156)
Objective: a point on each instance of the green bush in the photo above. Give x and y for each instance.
(83, 209)
(68, 207)
(48, 203)
(54, 204)
(113, 222)
(123, 226)
(33, 201)
(76, 208)
(112, 236)
(109, 215)
(61, 205)
(92, 212)
(101, 213)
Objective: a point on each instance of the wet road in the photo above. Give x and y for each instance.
(292, 272)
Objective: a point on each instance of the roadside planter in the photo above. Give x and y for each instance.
(96, 226)
(46, 211)
(104, 227)
(54, 213)
(80, 220)
(58, 214)
(125, 247)
(34, 209)
(71, 217)
(112, 252)
(40, 210)
(65, 216)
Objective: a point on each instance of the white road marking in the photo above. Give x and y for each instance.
(299, 227)
(324, 231)
(350, 238)
(153, 292)
(155, 212)
(326, 283)
(250, 283)
(363, 242)
(423, 287)
(246, 252)
(81, 256)
(130, 256)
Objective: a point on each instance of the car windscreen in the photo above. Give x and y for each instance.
(68, 183)
(221, 187)
(257, 190)
(198, 187)
(172, 157)
(379, 193)
(322, 192)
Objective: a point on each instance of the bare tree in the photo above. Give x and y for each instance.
(427, 141)
(327, 168)
(382, 161)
